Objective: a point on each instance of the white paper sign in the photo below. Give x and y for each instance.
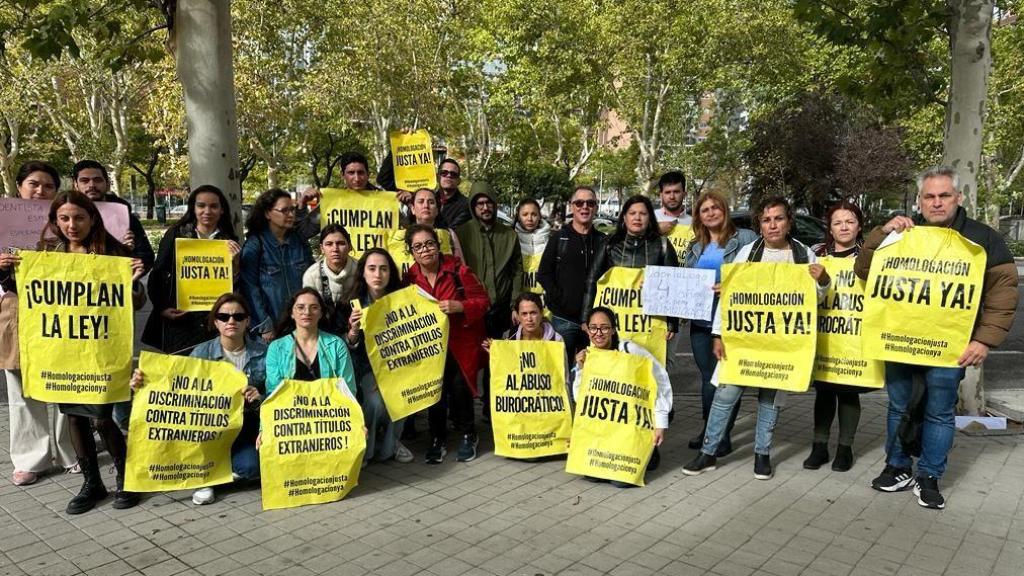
(678, 292)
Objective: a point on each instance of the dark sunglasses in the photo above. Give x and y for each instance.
(238, 316)
(587, 203)
(448, 174)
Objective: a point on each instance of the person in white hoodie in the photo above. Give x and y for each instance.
(775, 217)
(601, 326)
(334, 275)
(533, 231)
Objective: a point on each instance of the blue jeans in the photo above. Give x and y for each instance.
(941, 392)
(381, 433)
(700, 342)
(726, 398)
(245, 460)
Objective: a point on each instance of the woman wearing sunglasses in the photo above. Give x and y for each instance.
(230, 318)
(274, 258)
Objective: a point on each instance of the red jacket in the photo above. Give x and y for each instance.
(455, 281)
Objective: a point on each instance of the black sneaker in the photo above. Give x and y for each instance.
(702, 463)
(894, 479)
(436, 452)
(819, 456)
(926, 488)
(467, 448)
(763, 467)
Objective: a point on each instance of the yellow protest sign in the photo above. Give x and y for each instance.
(923, 294)
(529, 404)
(613, 433)
(184, 420)
(768, 325)
(407, 343)
(370, 216)
(619, 289)
(403, 259)
(531, 264)
(202, 273)
(313, 438)
(413, 158)
(75, 327)
(680, 238)
(840, 358)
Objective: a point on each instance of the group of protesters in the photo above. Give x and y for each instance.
(296, 317)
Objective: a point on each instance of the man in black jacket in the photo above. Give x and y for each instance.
(90, 178)
(565, 266)
(455, 209)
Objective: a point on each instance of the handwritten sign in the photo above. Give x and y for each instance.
(678, 292)
(22, 221)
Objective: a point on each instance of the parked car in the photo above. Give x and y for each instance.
(806, 229)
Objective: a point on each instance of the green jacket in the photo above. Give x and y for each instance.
(495, 257)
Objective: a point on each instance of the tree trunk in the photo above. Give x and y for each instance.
(202, 46)
(970, 32)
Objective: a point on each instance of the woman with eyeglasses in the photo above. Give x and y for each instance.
(334, 276)
(274, 258)
(463, 298)
(229, 317)
(31, 426)
(376, 277)
(776, 245)
(716, 242)
(208, 217)
(602, 329)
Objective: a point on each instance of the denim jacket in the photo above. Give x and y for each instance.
(271, 273)
(741, 238)
(255, 365)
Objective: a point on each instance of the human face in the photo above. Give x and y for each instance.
(775, 226)
(356, 176)
(939, 200)
(232, 327)
(74, 223)
(636, 219)
(91, 182)
(672, 198)
(584, 207)
(424, 207)
(377, 273)
(282, 215)
(711, 214)
(424, 250)
(483, 209)
(37, 186)
(530, 319)
(208, 211)
(335, 249)
(448, 176)
(844, 227)
(306, 311)
(601, 331)
(529, 217)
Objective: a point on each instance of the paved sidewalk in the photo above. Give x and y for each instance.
(495, 516)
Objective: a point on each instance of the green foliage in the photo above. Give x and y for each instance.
(513, 181)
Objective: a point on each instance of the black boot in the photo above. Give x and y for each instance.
(92, 487)
(844, 458)
(819, 456)
(123, 499)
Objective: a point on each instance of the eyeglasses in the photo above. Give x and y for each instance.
(311, 308)
(289, 210)
(448, 174)
(599, 329)
(423, 246)
(587, 203)
(480, 203)
(237, 316)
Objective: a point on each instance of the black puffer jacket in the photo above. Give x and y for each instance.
(630, 252)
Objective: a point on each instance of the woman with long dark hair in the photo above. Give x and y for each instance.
(79, 229)
(30, 424)
(274, 258)
(334, 276)
(843, 239)
(207, 217)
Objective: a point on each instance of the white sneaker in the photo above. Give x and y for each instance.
(403, 454)
(203, 496)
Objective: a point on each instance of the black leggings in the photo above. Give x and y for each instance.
(456, 402)
(827, 402)
(81, 428)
